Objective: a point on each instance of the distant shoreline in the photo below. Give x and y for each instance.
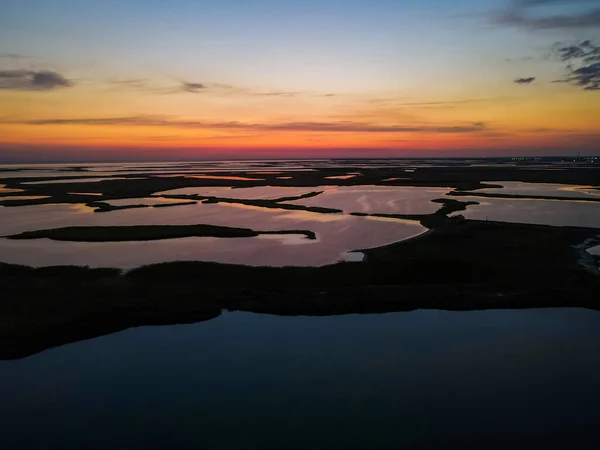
(404, 158)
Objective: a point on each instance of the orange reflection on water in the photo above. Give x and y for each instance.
(218, 177)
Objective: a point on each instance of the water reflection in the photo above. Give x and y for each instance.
(22, 197)
(17, 219)
(253, 193)
(217, 177)
(544, 189)
(543, 212)
(378, 199)
(341, 177)
(5, 190)
(425, 379)
(149, 201)
(336, 234)
(77, 180)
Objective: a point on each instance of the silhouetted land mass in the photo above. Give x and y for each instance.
(462, 265)
(272, 204)
(106, 207)
(458, 265)
(455, 175)
(436, 219)
(167, 205)
(147, 233)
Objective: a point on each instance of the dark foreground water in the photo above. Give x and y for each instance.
(426, 379)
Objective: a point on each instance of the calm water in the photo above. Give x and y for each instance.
(377, 199)
(544, 212)
(543, 189)
(419, 380)
(425, 379)
(336, 235)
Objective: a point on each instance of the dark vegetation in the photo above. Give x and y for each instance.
(460, 266)
(452, 175)
(147, 233)
(273, 205)
(436, 219)
(167, 205)
(262, 203)
(106, 207)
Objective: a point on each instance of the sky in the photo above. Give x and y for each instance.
(220, 79)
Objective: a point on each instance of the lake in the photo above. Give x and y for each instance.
(418, 380)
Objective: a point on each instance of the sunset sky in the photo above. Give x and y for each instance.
(197, 79)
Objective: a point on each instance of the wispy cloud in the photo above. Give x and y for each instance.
(448, 102)
(583, 64)
(527, 80)
(278, 94)
(14, 56)
(137, 83)
(216, 88)
(522, 59)
(550, 2)
(194, 88)
(223, 89)
(338, 127)
(32, 80)
(529, 14)
(179, 137)
(209, 88)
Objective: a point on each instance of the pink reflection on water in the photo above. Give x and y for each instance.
(542, 212)
(23, 197)
(378, 199)
(223, 177)
(341, 177)
(540, 189)
(336, 235)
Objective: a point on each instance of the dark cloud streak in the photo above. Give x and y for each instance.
(525, 14)
(527, 80)
(32, 80)
(194, 88)
(583, 64)
(552, 2)
(338, 127)
(133, 83)
(14, 56)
